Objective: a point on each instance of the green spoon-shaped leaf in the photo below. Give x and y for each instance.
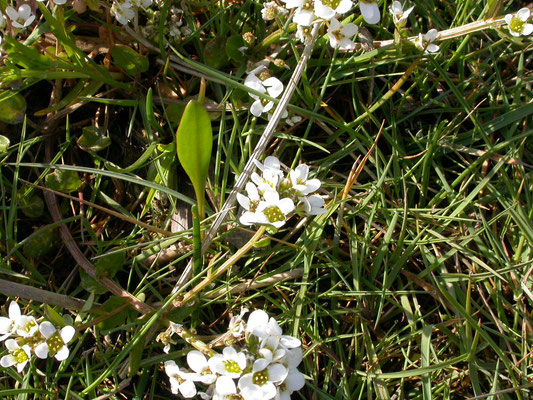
(194, 141)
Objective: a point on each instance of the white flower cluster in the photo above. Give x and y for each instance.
(23, 335)
(264, 368)
(126, 10)
(272, 197)
(517, 23)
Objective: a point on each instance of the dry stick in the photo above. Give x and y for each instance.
(42, 296)
(258, 151)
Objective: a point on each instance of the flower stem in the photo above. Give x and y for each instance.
(220, 270)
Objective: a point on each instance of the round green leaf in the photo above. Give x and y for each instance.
(41, 243)
(129, 60)
(12, 109)
(32, 206)
(93, 140)
(4, 144)
(234, 48)
(63, 181)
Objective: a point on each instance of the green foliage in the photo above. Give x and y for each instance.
(12, 110)
(65, 181)
(129, 60)
(93, 140)
(194, 141)
(41, 243)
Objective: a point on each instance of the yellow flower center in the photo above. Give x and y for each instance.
(260, 378)
(274, 214)
(333, 4)
(517, 25)
(55, 343)
(232, 367)
(19, 356)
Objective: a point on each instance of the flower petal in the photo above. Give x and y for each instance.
(67, 333)
(370, 12)
(7, 361)
(303, 17)
(344, 6)
(196, 360)
(47, 329)
(277, 373)
(527, 30)
(523, 14)
(256, 108)
(14, 309)
(11, 345)
(225, 386)
(286, 205)
(41, 351)
(323, 11)
(188, 389)
(274, 86)
(62, 354)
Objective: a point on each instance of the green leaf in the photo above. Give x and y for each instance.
(41, 243)
(93, 140)
(108, 265)
(233, 46)
(90, 284)
(214, 53)
(63, 181)
(194, 140)
(31, 205)
(12, 109)
(129, 60)
(4, 144)
(54, 317)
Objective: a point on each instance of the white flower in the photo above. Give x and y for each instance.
(303, 34)
(249, 203)
(340, 36)
(230, 363)
(59, 2)
(261, 325)
(271, 163)
(300, 183)
(291, 121)
(327, 9)
(271, 10)
(370, 11)
(198, 363)
(18, 356)
(236, 325)
(123, 11)
(425, 42)
(56, 342)
(399, 16)
(303, 16)
(268, 182)
(225, 388)
(294, 381)
(8, 326)
(26, 326)
(272, 86)
(260, 384)
(180, 380)
(273, 211)
(312, 205)
(22, 17)
(517, 23)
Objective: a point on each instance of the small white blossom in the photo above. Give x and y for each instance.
(370, 11)
(56, 342)
(249, 203)
(304, 15)
(327, 9)
(517, 23)
(267, 182)
(272, 86)
(272, 210)
(271, 10)
(198, 363)
(26, 326)
(18, 356)
(8, 326)
(312, 205)
(230, 363)
(425, 42)
(180, 381)
(301, 185)
(123, 11)
(236, 325)
(340, 36)
(261, 383)
(399, 16)
(22, 17)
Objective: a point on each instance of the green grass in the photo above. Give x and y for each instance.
(415, 285)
